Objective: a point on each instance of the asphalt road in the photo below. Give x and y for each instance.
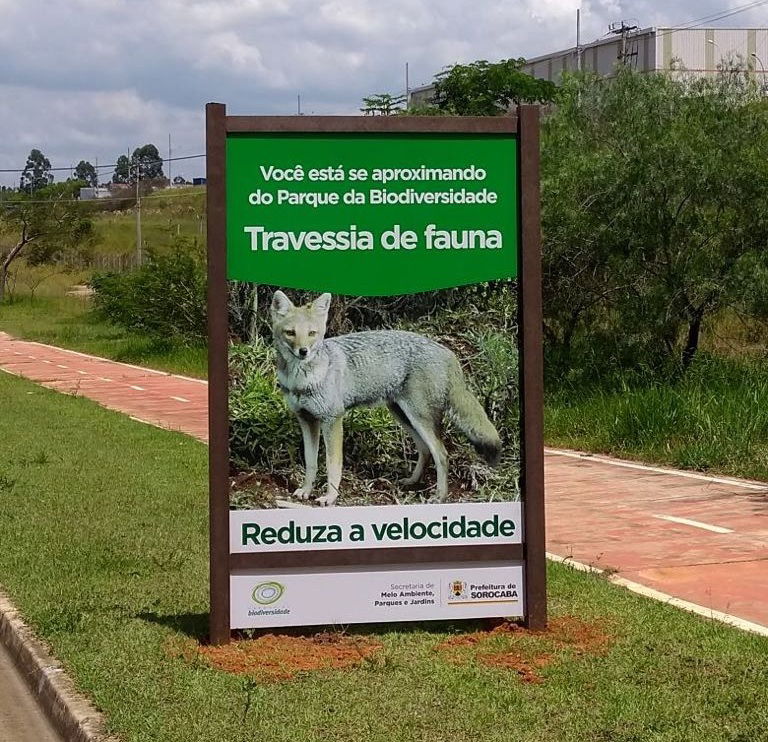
(20, 718)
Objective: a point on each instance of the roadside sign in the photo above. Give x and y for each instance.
(374, 292)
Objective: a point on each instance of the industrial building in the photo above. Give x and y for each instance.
(691, 51)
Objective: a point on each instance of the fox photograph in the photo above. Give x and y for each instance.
(341, 400)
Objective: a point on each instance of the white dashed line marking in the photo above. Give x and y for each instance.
(180, 399)
(137, 388)
(694, 523)
(104, 378)
(61, 365)
(84, 373)
(44, 361)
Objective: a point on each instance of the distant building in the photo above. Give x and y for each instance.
(198, 181)
(694, 51)
(89, 194)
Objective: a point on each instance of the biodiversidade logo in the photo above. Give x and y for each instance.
(266, 593)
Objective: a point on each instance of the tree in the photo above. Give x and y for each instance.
(484, 88)
(122, 172)
(655, 203)
(45, 226)
(86, 173)
(148, 162)
(37, 172)
(383, 104)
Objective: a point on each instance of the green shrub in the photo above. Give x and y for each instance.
(165, 298)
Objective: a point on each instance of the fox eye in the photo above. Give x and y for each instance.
(312, 333)
(290, 333)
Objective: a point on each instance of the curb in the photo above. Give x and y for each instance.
(70, 713)
(649, 592)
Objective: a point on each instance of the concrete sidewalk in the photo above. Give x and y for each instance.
(696, 538)
(20, 718)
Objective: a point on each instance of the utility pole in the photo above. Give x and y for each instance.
(139, 256)
(407, 88)
(623, 28)
(298, 104)
(578, 40)
(170, 166)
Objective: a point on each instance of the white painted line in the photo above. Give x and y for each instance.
(643, 467)
(17, 352)
(180, 399)
(44, 361)
(694, 523)
(145, 422)
(137, 388)
(61, 365)
(119, 363)
(82, 373)
(649, 592)
(104, 378)
(32, 357)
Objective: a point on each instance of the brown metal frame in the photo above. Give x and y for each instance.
(532, 552)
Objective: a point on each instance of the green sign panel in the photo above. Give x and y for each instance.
(370, 215)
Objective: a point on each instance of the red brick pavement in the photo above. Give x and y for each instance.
(602, 512)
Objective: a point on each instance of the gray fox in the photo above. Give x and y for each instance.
(417, 378)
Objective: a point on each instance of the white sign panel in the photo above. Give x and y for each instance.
(340, 595)
(301, 529)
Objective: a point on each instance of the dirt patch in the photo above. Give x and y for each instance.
(511, 647)
(276, 657)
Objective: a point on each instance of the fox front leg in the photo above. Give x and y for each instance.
(310, 433)
(333, 435)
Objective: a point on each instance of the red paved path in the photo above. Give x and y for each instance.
(600, 511)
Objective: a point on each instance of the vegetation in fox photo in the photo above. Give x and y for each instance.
(342, 400)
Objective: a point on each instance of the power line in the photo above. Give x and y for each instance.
(54, 201)
(113, 166)
(720, 15)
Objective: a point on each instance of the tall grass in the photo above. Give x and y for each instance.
(713, 418)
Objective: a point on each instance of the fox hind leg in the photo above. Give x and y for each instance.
(429, 430)
(421, 446)
(333, 435)
(310, 432)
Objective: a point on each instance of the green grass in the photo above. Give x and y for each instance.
(714, 419)
(164, 215)
(68, 322)
(103, 533)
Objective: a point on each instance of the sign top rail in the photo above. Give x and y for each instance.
(373, 124)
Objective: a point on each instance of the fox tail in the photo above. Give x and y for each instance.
(470, 417)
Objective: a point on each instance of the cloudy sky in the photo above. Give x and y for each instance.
(91, 79)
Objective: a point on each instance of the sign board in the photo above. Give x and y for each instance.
(374, 303)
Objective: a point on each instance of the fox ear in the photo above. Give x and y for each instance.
(281, 304)
(322, 303)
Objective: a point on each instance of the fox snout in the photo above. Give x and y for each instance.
(303, 352)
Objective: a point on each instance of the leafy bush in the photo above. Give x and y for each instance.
(653, 210)
(165, 298)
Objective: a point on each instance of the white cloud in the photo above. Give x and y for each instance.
(97, 77)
